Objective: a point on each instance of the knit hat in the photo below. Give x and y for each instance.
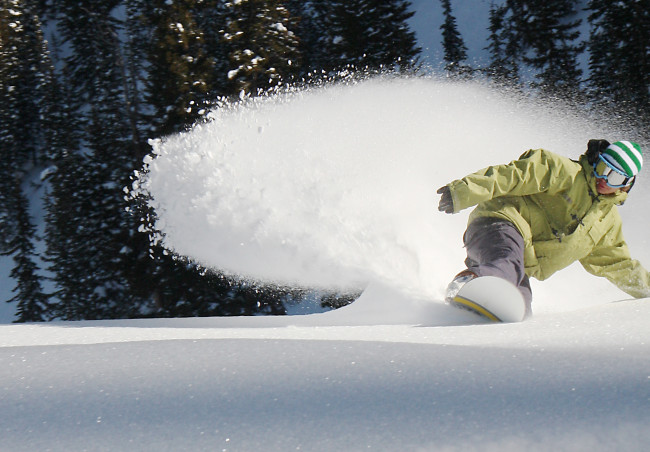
(625, 156)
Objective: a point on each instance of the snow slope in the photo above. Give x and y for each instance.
(567, 381)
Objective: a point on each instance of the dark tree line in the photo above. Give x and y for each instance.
(536, 46)
(84, 84)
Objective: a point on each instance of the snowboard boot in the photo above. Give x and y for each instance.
(459, 281)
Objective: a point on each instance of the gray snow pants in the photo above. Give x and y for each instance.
(496, 248)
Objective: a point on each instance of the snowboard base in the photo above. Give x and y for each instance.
(492, 298)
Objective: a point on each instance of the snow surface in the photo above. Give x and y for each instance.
(376, 375)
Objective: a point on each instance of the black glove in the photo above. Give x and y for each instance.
(446, 203)
(594, 148)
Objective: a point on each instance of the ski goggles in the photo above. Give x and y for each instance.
(614, 177)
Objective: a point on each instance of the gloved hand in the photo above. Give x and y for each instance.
(594, 148)
(446, 203)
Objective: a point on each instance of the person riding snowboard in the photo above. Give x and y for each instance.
(542, 212)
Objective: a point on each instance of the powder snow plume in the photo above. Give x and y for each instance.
(335, 186)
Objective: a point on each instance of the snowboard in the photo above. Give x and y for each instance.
(493, 298)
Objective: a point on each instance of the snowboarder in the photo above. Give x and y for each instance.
(542, 212)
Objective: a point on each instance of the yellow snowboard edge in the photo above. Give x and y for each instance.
(464, 302)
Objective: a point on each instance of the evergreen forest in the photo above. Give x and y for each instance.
(85, 84)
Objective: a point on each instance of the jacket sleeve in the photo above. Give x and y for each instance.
(534, 172)
(613, 262)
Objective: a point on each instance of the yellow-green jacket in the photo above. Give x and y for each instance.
(554, 204)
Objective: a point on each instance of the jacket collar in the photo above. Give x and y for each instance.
(617, 198)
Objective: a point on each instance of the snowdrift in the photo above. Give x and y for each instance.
(566, 381)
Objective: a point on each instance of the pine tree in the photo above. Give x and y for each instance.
(453, 44)
(503, 50)
(133, 66)
(550, 34)
(31, 302)
(394, 46)
(619, 57)
(185, 71)
(210, 18)
(119, 275)
(9, 120)
(541, 37)
(370, 35)
(24, 82)
(90, 264)
(180, 71)
(306, 28)
(63, 199)
(261, 43)
(23, 65)
(65, 246)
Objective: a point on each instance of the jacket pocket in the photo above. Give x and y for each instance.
(598, 230)
(553, 255)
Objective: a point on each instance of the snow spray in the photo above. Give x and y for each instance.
(335, 186)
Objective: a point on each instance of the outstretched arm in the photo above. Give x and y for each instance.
(615, 264)
(613, 261)
(535, 171)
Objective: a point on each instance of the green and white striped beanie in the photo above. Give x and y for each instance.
(626, 156)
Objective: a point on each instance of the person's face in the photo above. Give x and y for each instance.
(610, 180)
(604, 189)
